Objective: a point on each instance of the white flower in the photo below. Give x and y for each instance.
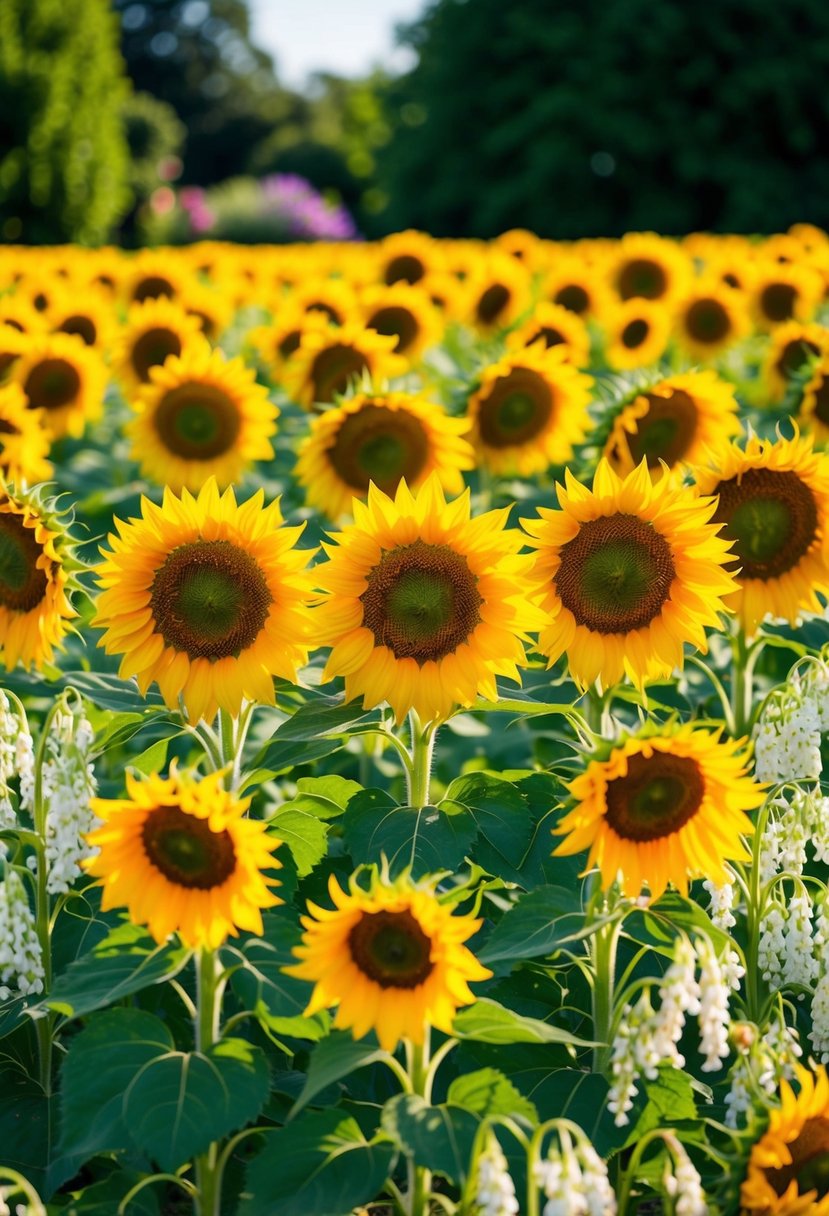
(683, 1185)
(679, 994)
(21, 962)
(772, 945)
(574, 1181)
(721, 905)
(68, 782)
(495, 1191)
(713, 1011)
(634, 1053)
(799, 963)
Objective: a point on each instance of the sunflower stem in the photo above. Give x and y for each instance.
(741, 684)
(42, 902)
(420, 1178)
(418, 778)
(208, 1177)
(603, 948)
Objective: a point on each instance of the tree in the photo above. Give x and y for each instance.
(608, 115)
(63, 155)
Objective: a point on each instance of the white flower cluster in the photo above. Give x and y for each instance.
(21, 962)
(819, 1034)
(760, 1068)
(495, 1190)
(721, 907)
(16, 760)
(574, 1181)
(682, 1184)
(68, 785)
(786, 950)
(791, 824)
(787, 735)
(647, 1038)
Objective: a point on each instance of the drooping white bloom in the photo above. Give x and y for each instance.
(682, 1184)
(635, 1053)
(799, 963)
(760, 1068)
(713, 1007)
(679, 994)
(720, 909)
(787, 737)
(21, 961)
(68, 782)
(772, 945)
(574, 1180)
(495, 1190)
(16, 760)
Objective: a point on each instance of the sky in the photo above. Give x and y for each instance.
(346, 37)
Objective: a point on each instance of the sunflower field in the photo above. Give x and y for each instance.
(412, 728)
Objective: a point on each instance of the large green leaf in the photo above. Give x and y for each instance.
(541, 921)
(177, 1104)
(437, 1137)
(320, 1164)
(303, 833)
(111, 692)
(488, 1092)
(333, 1058)
(423, 839)
(24, 1124)
(325, 716)
(259, 982)
(500, 812)
(488, 1022)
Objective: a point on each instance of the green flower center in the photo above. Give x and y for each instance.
(397, 323)
(333, 369)
(380, 445)
(391, 949)
(151, 349)
(666, 431)
(809, 1167)
(615, 574)
(210, 599)
(707, 321)
(517, 407)
(771, 519)
(491, 304)
(197, 421)
(777, 301)
(642, 277)
(656, 797)
(185, 849)
(22, 582)
(51, 384)
(421, 601)
(635, 333)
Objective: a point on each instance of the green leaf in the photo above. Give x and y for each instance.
(282, 755)
(438, 1137)
(303, 833)
(500, 812)
(124, 963)
(257, 979)
(488, 1092)
(154, 757)
(102, 1061)
(425, 839)
(24, 1124)
(669, 1099)
(539, 923)
(325, 797)
(111, 692)
(325, 716)
(333, 1058)
(488, 1022)
(320, 1164)
(179, 1103)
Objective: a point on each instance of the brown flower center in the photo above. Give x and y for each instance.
(615, 574)
(210, 599)
(771, 519)
(809, 1167)
(379, 445)
(666, 431)
(822, 401)
(573, 297)
(52, 384)
(151, 349)
(642, 277)
(289, 344)
(635, 333)
(197, 421)
(186, 850)
(151, 287)
(396, 322)
(327, 311)
(777, 301)
(517, 407)
(333, 368)
(81, 325)
(657, 796)
(421, 601)
(405, 268)
(491, 303)
(793, 356)
(707, 321)
(550, 336)
(391, 949)
(22, 581)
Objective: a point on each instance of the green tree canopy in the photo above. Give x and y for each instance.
(63, 154)
(608, 115)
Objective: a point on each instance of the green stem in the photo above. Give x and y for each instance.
(741, 684)
(420, 1178)
(208, 1178)
(418, 778)
(755, 900)
(603, 948)
(43, 915)
(594, 702)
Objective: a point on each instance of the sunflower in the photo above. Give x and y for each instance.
(330, 358)
(212, 309)
(24, 444)
(576, 286)
(64, 378)
(36, 575)
(182, 857)
(662, 806)
(791, 346)
(648, 267)
(202, 415)
(636, 334)
(273, 345)
(675, 421)
(814, 407)
(12, 345)
(528, 410)
(153, 273)
(633, 569)
(407, 257)
(773, 505)
(87, 314)
(498, 292)
(404, 312)
(553, 325)
(391, 959)
(788, 1168)
(153, 332)
(709, 318)
(335, 299)
(784, 292)
(380, 438)
(20, 315)
(422, 605)
(207, 598)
